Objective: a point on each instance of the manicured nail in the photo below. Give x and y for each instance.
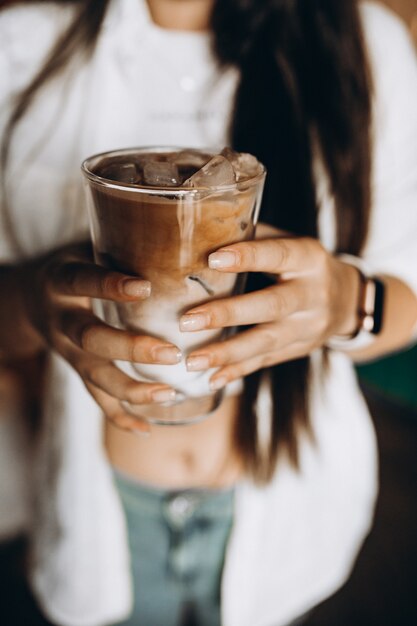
(218, 383)
(163, 395)
(194, 321)
(167, 354)
(222, 259)
(197, 363)
(137, 288)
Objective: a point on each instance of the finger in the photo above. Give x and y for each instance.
(256, 341)
(235, 371)
(113, 411)
(87, 279)
(113, 381)
(110, 379)
(272, 256)
(267, 305)
(267, 231)
(95, 337)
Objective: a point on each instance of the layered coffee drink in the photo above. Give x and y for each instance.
(158, 214)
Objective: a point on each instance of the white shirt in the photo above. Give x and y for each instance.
(294, 542)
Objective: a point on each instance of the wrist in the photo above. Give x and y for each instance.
(369, 309)
(348, 295)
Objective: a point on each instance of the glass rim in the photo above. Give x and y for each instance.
(106, 182)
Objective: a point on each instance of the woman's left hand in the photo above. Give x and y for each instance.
(314, 296)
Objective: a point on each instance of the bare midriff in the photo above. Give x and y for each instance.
(180, 457)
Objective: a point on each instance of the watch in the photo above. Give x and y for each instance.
(371, 312)
(370, 309)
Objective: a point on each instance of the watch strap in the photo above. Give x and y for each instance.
(370, 309)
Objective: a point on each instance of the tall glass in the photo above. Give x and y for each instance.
(164, 235)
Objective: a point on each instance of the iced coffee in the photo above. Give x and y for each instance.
(158, 214)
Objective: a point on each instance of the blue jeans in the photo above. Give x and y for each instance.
(177, 542)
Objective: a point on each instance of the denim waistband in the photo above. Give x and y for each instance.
(176, 505)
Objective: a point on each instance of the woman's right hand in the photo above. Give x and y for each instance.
(58, 304)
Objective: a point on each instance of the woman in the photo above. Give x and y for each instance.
(256, 514)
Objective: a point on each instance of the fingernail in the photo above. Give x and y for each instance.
(167, 354)
(196, 321)
(137, 288)
(218, 383)
(164, 395)
(221, 259)
(197, 363)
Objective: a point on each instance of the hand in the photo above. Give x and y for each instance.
(58, 304)
(314, 296)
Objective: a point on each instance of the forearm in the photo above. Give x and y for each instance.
(18, 338)
(399, 321)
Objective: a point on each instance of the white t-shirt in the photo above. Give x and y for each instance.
(294, 542)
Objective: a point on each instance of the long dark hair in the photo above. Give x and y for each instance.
(304, 92)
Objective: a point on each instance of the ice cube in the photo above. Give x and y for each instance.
(121, 173)
(189, 158)
(159, 173)
(217, 172)
(245, 165)
(188, 162)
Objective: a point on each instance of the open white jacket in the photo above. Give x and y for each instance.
(294, 542)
